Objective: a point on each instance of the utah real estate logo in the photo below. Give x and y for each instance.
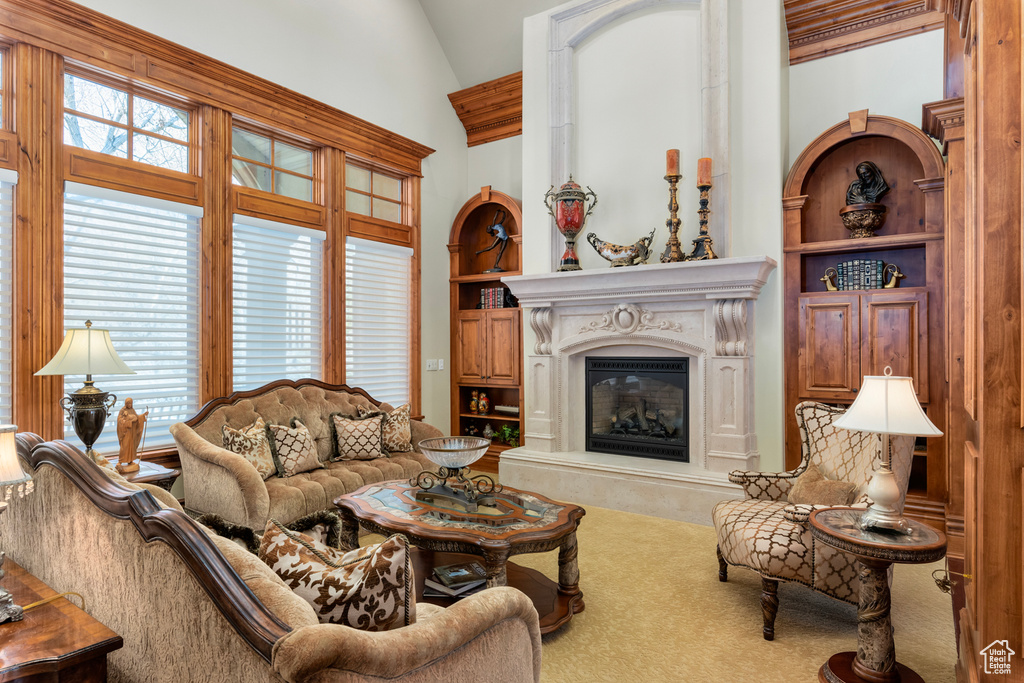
(997, 657)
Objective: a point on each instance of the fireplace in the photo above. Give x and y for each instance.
(638, 407)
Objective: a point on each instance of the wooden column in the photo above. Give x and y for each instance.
(334, 267)
(215, 339)
(412, 200)
(38, 239)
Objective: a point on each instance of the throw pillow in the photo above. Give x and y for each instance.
(242, 535)
(812, 488)
(370, 588)
(252, 444)
(358, 439)
(322, 529)
(293, 448)
(396, 434)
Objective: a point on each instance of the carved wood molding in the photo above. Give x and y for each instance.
(492, 110)
(819, 28)
(98, 40)
(944, 120)
(249, 617)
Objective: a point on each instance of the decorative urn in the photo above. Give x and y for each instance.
(568, 206)
(863, 219)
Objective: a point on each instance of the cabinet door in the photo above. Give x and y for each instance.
(829, 363)
(895, 333)
(503, 341)
(471, 346)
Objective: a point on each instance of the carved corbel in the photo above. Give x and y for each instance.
(730, 327)
(540, 321)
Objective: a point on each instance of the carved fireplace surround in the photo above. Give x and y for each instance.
(700, 310)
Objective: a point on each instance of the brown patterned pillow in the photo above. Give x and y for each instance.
(293, 448)
(252, 444)
(370, 588)
(358, 439)
(812, 488)
(396, 433)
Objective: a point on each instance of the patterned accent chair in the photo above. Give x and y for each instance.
(768, 534)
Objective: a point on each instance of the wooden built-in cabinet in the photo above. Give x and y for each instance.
(487, 343)
(834, 338)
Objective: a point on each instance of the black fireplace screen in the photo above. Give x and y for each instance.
(639, 406)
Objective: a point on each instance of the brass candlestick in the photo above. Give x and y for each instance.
(703, 246)
(673, 248)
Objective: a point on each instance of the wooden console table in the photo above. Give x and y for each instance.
(55, 642)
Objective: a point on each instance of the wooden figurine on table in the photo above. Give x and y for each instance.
(130, 428)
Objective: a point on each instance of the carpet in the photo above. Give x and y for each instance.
(656, 611)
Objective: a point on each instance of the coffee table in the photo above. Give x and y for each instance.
(518, 522)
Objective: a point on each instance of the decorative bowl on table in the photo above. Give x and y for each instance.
(454, 452)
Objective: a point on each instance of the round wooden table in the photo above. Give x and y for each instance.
(875, 659)
(516, 522)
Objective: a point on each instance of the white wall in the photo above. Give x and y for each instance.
(651, 75)
(892, 79)
(498, 164)
(377, 60)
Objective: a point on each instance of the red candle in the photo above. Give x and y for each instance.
(704, 171)
(672, 162)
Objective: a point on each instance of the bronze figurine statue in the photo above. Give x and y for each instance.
(863, 213)
(500, 240)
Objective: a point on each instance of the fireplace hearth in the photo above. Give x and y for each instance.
(638, 407)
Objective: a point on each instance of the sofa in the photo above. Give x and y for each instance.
(192, 606)
(218, 481)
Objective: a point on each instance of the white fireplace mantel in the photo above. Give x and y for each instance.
(699, 310)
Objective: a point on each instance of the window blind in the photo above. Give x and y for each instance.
(8, 179)
(131, 266)
(378, 284)
(277, 296)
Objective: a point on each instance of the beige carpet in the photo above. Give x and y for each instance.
(655, 611)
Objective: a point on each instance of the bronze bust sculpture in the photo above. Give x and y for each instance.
(869, 187)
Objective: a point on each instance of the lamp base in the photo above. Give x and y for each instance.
(8, 610)
(881, 518)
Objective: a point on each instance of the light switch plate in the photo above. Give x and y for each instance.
(440, 363)
(431, 364)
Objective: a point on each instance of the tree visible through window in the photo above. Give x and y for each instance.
(267, 164)
(111, 121)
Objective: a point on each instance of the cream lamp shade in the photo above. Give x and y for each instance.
(11, 473)
(887, 405)
(86, 351)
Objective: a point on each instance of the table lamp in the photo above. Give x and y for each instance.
(886, 405)
(12, 480)
(87, 351)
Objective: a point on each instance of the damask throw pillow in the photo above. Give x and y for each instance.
(251, 443)
(396, 433)
(358, 439)
(371, 588)
(293, 447)
(812, 488)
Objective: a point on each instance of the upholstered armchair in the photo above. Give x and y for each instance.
(770, 535)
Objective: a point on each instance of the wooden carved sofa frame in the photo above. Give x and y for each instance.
(193, 606)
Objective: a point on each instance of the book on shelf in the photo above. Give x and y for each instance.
(859, 274)
(461, 573)
(438, 589)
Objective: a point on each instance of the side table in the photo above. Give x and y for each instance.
(875, 659)
(53, 642)
(151, 473)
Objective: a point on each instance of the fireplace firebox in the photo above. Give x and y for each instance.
(639, 407)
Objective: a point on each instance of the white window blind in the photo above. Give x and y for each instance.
(7, 181)
(378, 292)
(131, 266)
(278, 310)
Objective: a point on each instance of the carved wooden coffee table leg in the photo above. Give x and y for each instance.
(494, 563)
(349, 530)
(569, 571)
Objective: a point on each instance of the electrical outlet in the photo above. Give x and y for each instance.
(440, 363)
(431, 364)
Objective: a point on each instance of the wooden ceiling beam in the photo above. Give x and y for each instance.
(492, 110)
(819, 28)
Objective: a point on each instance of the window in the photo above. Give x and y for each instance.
(270, 165)
(7, 182)
(371, 193)
(378, 282)
(131, 266)
(278, 314)
(111, 121)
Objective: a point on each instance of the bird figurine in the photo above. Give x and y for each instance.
(619, 255)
